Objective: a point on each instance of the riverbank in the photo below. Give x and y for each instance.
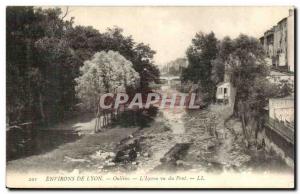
(174, 141)
(71, 156)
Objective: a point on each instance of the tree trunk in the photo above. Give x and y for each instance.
(96, 124)
(235, 106)
(97, 116)
(246, 137)
(41, 105)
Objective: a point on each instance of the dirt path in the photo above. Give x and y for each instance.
(223, 154)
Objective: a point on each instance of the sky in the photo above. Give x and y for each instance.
(169, 30)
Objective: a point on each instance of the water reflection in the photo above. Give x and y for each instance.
(23, 143)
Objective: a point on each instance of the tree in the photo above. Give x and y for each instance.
(32, 34)
(200, 55)
(285, 88)
(106, 72)
(258, 99)
(44, 55)
(143, 63)
(175, 67)
(55, 90)
(19, 45)
(86, 41)
(225, 47)
(243, 60)
(245, 63)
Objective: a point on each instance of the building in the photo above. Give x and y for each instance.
(277, 134)
(225, 93)
(282, 109)
(278, 43)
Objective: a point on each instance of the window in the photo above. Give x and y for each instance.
(225, 90)
(219, 90)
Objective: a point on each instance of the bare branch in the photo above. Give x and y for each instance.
(67, 11)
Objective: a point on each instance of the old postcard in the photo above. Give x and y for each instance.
(150, 97)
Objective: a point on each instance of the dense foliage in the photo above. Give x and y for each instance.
(44, 56)
(240, 61)
(106, 72)
(174, 67)
(200, 56)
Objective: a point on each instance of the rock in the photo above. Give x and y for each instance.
(166, 128)
(111, 154)
(75, 171)
(193, 118)
(121, 157)
(133, 163)
(110, 164)
(101, 155)
(132, 155)
(109, 159)
(177, 152)
(209, 146)
(69, 159)
(146, 154)
(163, 160)
(180, 163)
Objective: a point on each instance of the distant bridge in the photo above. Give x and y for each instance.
(168, 79)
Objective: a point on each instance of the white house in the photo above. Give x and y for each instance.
(225, 93)
(282, 109)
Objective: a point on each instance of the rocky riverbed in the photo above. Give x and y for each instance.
(191, 141)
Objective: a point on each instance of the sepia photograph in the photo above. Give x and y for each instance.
(150, 97)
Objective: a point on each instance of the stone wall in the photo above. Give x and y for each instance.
(273, 142)
(282, 109)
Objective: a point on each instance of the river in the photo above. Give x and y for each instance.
(189, 145)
